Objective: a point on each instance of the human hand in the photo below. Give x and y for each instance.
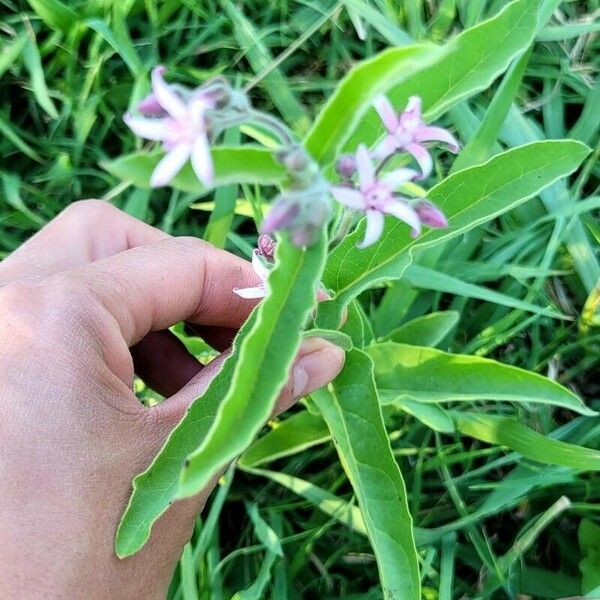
(84, 305)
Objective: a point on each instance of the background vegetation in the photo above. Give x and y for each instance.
(501, 524)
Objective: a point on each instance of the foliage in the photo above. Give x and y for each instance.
(458, 457)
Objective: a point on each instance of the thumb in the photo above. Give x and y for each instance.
(317, 363)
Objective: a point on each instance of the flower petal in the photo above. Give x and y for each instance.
(386, 112)
(149, 129)
(170, 165)
(397, 177)
(401, 210)
(166, 97)
(436, 134)
(386, 147)
(202, 162)
(348, 197)
(259, 266)
(150, 106)
(251, 293)
(423, 158)
(413, 108)
(365, 168)
(374, 228)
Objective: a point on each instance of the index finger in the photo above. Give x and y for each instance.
(152, 287)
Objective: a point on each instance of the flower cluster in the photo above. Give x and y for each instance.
(186, 122)
(376, 195)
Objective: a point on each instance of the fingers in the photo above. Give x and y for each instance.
(163, 362)
(317, 363)
(151, 287)
(84, 232)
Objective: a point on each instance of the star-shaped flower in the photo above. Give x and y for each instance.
(407, 131)
(182, 129)
(376, 197)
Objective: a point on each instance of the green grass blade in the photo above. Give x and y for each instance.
(508, 432)
(261, 60)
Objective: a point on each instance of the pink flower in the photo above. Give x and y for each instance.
(376, 197)
(182, 130)
(262, 268)
(408, 132)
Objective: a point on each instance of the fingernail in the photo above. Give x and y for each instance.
(319, 363)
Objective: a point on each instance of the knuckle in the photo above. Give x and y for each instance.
(187, 244)
(88, 212)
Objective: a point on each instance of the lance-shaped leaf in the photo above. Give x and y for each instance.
(441, 76)
(495, 429)
(352, 412)
(428, 330)
(429, 375)
(243, 164)
(155, 488)
(295, 434)
(467, 198)
(266, 356)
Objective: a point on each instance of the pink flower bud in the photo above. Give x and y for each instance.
(346, 165)
(266, 247)
(281, 216)
(431, 215)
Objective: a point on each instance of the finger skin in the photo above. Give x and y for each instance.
(84, 232)
(152, 287)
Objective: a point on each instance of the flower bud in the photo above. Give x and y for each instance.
(431, 215)
(281, 216)
(266, 247)
(346, 166)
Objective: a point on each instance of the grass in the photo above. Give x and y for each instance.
(504, 526)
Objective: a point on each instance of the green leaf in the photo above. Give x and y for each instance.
(468, 198)
(244, 164)
(155, 488)
(428, 375)
(468, 64)
(55, 14)
(266, 356)
(338, 338)
(428, 330)
(295, 434)
(506, 431)
(353, 96)
(351, 410)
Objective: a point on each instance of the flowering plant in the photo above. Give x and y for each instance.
(351, 210)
